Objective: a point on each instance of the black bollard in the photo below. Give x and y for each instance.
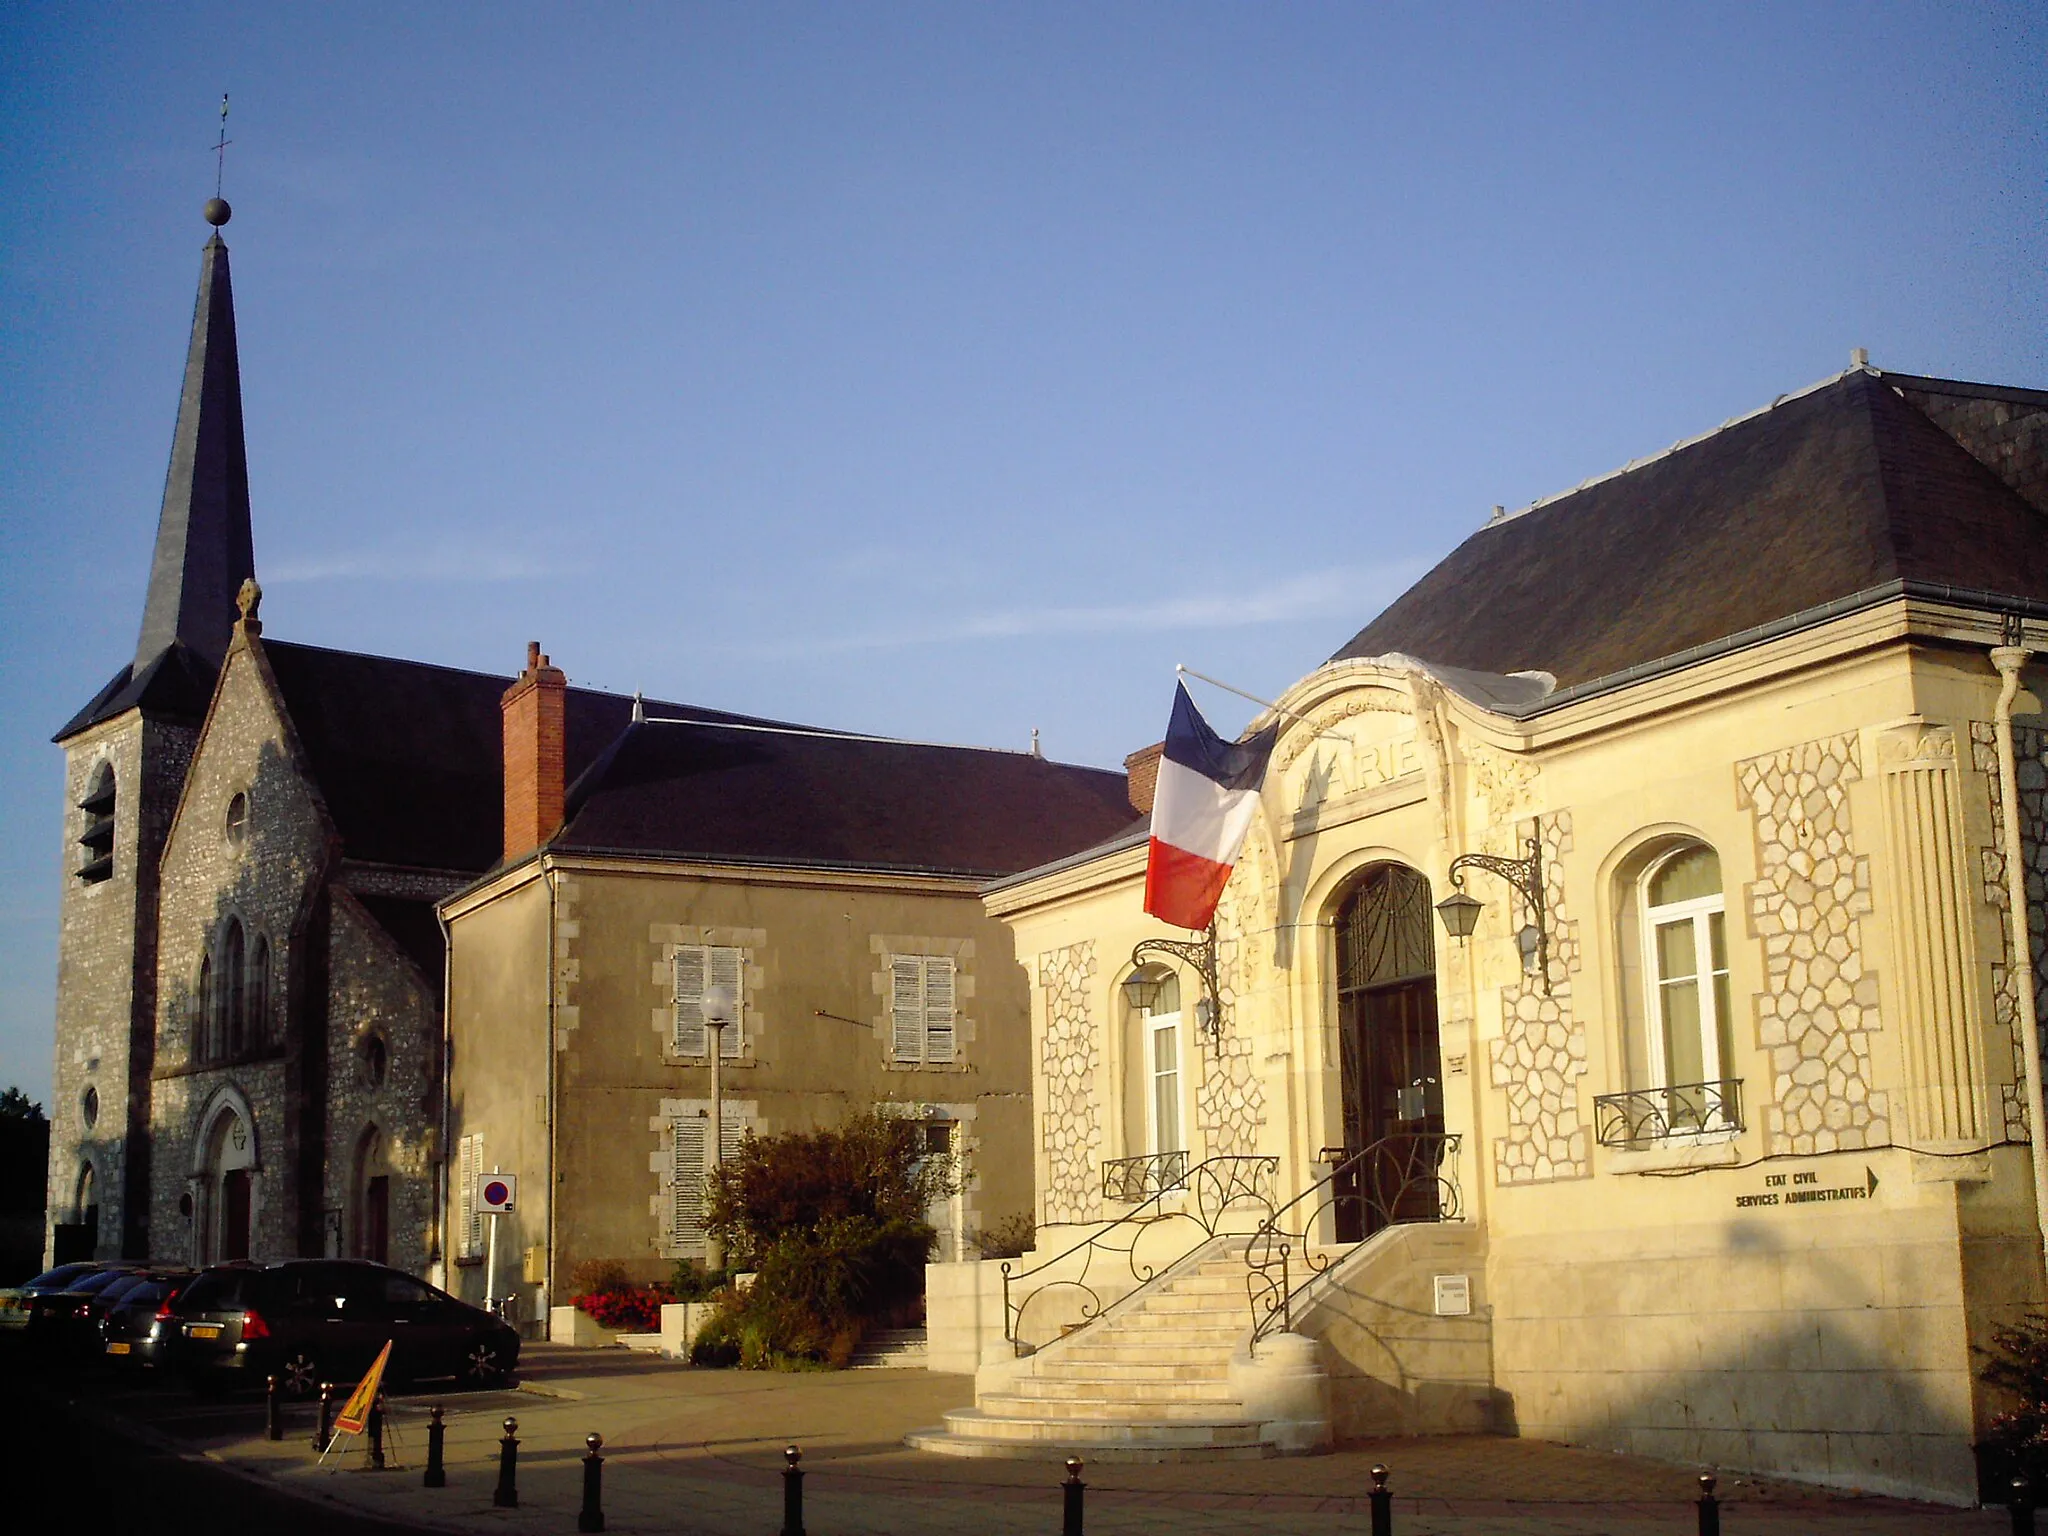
(591, 1516)
(792, 1492)
(376, 1428)
(1073, 1488)
(2021, 1507)
(273, 1412)
(1710, 1507)
(506, 1495)
(324, 1430)
(1382, 1504)
(436, 1430)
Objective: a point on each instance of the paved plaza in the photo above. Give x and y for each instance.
(701, 1451)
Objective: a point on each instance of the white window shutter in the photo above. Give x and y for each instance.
(938, 1008)
(469, 1158)
(688, 1176)
(906, 1008)
(731, 1132)
(689, 981)
(724, 967)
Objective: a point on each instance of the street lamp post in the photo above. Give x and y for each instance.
(721, 1007)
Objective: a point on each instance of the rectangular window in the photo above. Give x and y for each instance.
(697, 967)
(692, 1137)
(1165, 1034)
(921, 1009)
(469, 1222)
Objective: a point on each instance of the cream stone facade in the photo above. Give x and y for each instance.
(567, 1069)
(1734, 1128)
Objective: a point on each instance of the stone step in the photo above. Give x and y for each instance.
(898, 1349)
(1105, 1389)
(1033, 1428)
(1163, 1348)
(1108, 1410)
(1079, 1440)
(1193, 1301)
(1154, 1369)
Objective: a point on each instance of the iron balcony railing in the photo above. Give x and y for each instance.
(1411, 1177)
(1132, 1179)
(1659, 1114)
(1207, 1191)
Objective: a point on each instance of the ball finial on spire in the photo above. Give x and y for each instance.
(218, 212)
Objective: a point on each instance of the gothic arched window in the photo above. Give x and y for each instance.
(234, 989)
(258, 1033)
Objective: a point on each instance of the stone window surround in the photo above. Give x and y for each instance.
(260, 1038)
(965, 1145)
(886, 946)
(665, 939)
(661, 1162)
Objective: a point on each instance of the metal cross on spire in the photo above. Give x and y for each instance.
(220, 150)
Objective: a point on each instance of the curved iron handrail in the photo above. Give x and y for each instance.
(1127, 1180)
(1212, 1187)
(1393, 1182)
(1657, 1114)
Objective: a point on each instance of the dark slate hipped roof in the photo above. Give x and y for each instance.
(176, 685)
(1824, 496)
(410, 756)
(829, 800)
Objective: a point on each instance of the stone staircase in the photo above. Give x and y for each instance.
(890, 1349)
(1149, 1380)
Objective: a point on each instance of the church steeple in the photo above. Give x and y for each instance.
(204, 551)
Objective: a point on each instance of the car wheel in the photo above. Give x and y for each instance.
(480, 1365)
(299, 1375)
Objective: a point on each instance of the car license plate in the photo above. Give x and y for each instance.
(202, 1331)
(117, 1349)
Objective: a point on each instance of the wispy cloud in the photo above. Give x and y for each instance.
(1352, 590)
(481, 565)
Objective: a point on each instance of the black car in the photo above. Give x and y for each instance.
(314, 1320)
(55, 1307)
(134, 1317)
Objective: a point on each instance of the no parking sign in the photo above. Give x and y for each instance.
(497, 1192)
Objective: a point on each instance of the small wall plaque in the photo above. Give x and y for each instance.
(1453, 1295)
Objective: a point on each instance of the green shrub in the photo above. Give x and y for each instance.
(833, 1223)
(693, 1282)
(599, 1277)
(2018, 1363)
(1010, 1238)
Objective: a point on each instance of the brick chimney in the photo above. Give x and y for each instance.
(536, 733)
(1141, 775)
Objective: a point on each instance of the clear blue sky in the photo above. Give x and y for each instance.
(943, 371)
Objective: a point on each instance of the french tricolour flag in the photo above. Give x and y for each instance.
(1202, 807)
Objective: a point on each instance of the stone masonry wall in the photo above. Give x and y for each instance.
(268, 877)
(2030, 753)
(1071, 1121)
(106, 974)
(1818, 1008)
(376, 993)
(1541, 1054)
(1230, 1100)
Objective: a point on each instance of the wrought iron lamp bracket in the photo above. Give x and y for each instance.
(1200, 956)
(1526, 876)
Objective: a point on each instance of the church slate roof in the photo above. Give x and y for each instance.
(823, 799)
(1845, 490)
(409, 758)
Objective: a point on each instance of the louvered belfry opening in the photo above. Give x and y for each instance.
(1389, 1063)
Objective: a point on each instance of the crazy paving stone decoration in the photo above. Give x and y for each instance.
(1541, 1054)
(1818, 1008)
(1071, 1125)
(1230, 1101)
(2030, 752)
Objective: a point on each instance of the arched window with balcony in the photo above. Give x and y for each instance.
(1677, 1005)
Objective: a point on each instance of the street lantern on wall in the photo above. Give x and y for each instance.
(1460, 912)
(1142, 987)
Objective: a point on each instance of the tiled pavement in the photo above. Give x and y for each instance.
(701, 1451)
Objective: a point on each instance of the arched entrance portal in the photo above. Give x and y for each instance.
(227, 1188)
(1390, 1064)
(372, 1198)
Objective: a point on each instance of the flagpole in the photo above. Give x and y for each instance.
(1278, 709)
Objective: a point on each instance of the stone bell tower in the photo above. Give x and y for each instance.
(126, 754)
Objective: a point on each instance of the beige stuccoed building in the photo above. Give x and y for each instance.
(1711, 1141)
(830, 880)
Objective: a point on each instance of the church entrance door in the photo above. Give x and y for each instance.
(1390, 1063)
(234, 1214)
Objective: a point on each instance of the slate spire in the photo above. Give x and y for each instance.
(204, 551)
